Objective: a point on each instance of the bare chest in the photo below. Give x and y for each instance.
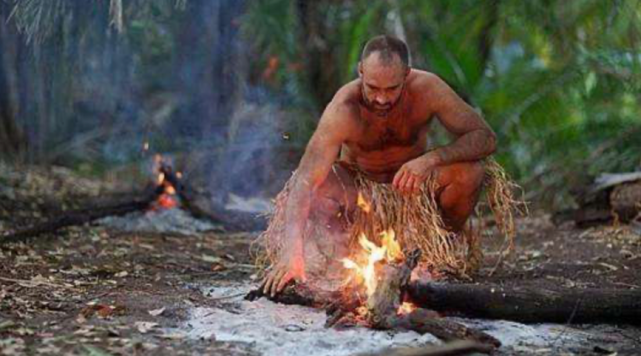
(380, 134)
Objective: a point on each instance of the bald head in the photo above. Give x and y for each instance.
(383, 70)
(389, 50)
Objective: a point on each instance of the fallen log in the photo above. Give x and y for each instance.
(530, 304)
(520, 304)
(612, 197)
(115, 207)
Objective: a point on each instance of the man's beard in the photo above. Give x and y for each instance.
(379, 110)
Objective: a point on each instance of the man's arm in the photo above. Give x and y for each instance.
(335, 126)
(475, 139)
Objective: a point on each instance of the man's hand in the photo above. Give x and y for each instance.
(411, 176)
(291, 267)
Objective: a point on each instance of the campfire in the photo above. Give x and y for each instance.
(365, 273)
(374, 293)
(167, 199)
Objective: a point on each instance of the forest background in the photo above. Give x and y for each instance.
(241, 84)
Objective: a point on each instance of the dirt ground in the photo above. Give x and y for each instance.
(92, 291)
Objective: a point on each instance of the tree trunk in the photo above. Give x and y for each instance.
(323, 78)
(12, 139)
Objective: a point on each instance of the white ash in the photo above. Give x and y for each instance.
(173, 220)
(249, 205)
(285, 330)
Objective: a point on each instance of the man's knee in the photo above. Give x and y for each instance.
(338, 190)
(467, 177)
(460, 187)
(472, 176)
(338, 184)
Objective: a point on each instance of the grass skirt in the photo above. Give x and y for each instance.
(415, 219)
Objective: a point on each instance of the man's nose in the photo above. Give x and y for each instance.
(381, 100)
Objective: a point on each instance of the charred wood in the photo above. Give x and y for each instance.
(530, 305)
(296, 294)
(425, 321)
(520, 304)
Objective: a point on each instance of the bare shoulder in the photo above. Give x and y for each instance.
(432, 93)
(342, 114)
(423, 82)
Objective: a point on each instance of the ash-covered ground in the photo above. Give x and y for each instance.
(276, 329)
(105, 289)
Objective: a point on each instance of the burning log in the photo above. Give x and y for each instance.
(388, 296)
(383, 307)
(520, 304)
(200, 205)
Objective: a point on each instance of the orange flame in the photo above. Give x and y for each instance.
(362, 203)
(166, 200)
(406, 308)
(389, 251)
(394, 252)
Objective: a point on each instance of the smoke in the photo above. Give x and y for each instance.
(173, 76)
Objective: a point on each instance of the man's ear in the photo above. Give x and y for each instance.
(360, 69)
(407, 71)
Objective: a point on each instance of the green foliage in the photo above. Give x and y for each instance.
(559, 82)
